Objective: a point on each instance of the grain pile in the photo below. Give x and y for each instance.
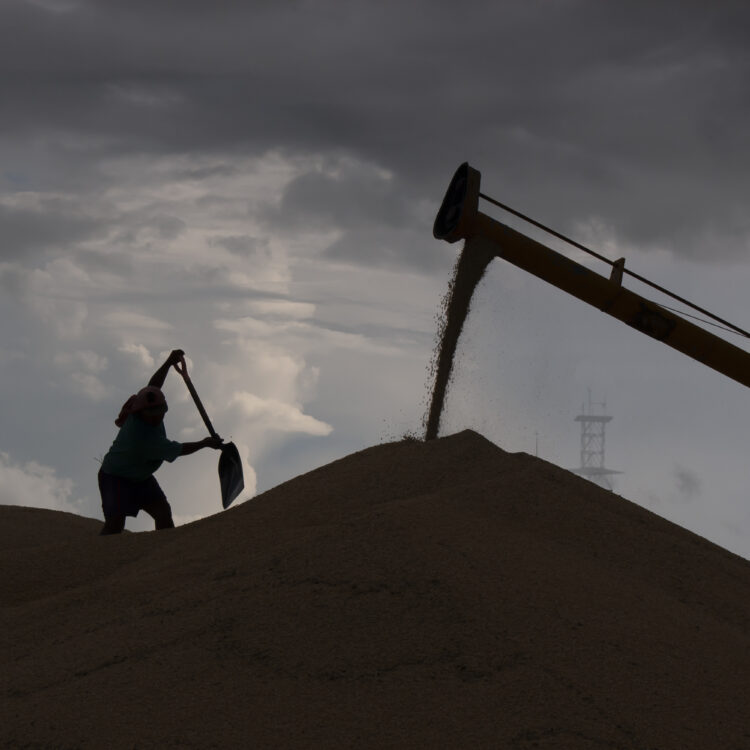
(415, 595)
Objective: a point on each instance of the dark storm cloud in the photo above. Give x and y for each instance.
(384, 247)
(243, 246)
(379, 219)
(28, 231)
(353, 196)
(118, 264)
(166, 227)
(636, 113)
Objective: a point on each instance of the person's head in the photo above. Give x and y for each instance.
(150, 405)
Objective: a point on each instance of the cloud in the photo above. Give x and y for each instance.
(90, 386)
(300, 335)
(275, 415)
(281, 308)
(386, 247)
(43, 224)
(244, 246)
(267, 358)
(688, 483)
(145, 96)
(56, 6)
(141, 354)
(66, 317)
(9, 355)
(82, 359)
(643, 126)
(35, 485)
(372, 218)
(82, 369)
(345, 193)
(130, 320)
(55, 293)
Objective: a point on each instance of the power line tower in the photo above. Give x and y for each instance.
(593, 432)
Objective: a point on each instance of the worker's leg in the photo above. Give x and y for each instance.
(113, 525)
(112, 507)
(155, 503)
(161, 512)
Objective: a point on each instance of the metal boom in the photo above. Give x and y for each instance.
(459, 218)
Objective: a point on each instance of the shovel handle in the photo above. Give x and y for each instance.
(181, 367)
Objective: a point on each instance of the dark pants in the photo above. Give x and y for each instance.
(123, 497)
(161, 512)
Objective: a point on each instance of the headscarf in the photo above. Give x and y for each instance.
(147, 398)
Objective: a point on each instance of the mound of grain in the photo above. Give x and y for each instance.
(440, 594)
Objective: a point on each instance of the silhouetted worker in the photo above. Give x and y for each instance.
(126, 478)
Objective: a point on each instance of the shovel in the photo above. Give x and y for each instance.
(230, 465)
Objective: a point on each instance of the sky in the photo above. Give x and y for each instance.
(256, 182)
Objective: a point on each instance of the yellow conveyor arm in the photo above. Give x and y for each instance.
(459, 218)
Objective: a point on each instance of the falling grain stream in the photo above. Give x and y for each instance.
(468, 272)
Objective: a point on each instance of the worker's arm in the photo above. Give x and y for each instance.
(158, 378)
(209, 442)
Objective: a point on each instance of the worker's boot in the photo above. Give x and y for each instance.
(164, 523)
(113, 525)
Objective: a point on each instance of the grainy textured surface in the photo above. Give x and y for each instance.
(442, 594)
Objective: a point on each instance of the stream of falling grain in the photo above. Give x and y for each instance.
(467, 273)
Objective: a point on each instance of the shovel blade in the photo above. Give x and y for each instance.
(230, 474)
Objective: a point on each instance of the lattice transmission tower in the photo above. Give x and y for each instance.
(593, 434)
